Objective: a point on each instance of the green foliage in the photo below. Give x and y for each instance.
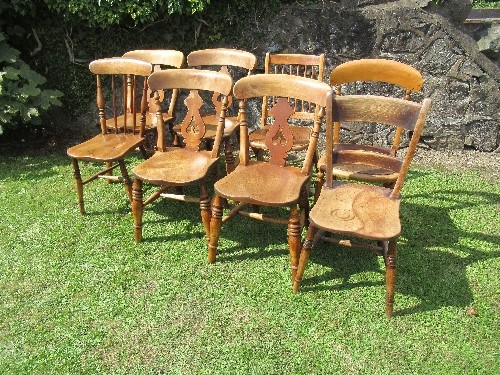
(111, 12)
(477, 3)
(22, 97)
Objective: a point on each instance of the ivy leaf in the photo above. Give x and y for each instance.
(8, 54)
(30, 90)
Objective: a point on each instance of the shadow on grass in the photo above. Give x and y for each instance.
(432, 262)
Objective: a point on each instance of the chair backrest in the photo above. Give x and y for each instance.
(279, 139)
(222, 58)
(125, 92)
(193, 80)
(377, 70)
(389, 111)
(160, 59)
(302, 65)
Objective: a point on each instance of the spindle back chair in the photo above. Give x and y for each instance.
(160, 59)
(121, 131)
(301, 65)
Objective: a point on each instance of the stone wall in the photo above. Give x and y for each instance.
(462, 83)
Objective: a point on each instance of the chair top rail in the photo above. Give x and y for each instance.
(380, 70)
(222, 57)
(273, 85)
(191, 79)
(370, 108)
(120, 65)
(158, 56)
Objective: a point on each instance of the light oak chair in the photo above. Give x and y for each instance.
(190, 165)
(226, 60)
(271, 183)
(302, 65)
(358, 209)
(121, 130)
(160, 59)
(358, 162)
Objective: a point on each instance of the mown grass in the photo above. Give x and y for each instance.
(78, 295)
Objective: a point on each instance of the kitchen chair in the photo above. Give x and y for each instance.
(363, 210)
(226, 60)
(303, 65)
(176, 166)
(404, 78)
(160, 59)
(121, 131)
(271, 183)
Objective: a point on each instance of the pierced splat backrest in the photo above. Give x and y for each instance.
(223, 59)
(389, 111)
(377, 70)
(279, 139)
(192, 80)
(127, 79)
(160, 59)
(301, 65)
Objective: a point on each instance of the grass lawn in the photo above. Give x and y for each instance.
(78, 295)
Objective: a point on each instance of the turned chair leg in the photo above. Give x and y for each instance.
(228, 153)
(79, 185)
(137, 209)
(215, 227)
(126, 179)
(304, 207)
(206, 212)
(390, 276)
(304, 258)
(320, 181)
(294, 231)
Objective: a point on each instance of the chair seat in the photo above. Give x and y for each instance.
(366, 211)
(263, 184)
(176, 166)
(362, 164)
(106, 147)
(301, 135)
(211, 121)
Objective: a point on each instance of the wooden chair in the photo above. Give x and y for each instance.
(310, 66)
(358, 209)
(405, 78)
(223, 59)
(271, 183)
(121, 132)
(160, 59)
(175, 166)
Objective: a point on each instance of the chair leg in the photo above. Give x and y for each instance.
(390, 276)
(304, 207)
(320, 181)
(137, 209)
(215, 228)
(304, 258)
(126, 179)
(294, 239)
(79, 185)
(206, 212)
(109, 164)
(228, 153)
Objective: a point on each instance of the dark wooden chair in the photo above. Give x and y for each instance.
(175, 166)
(271, 183)
(228, 61)
(358, 209)
(302, 65)
(121, 130)
(160, 59)
(400, 77)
